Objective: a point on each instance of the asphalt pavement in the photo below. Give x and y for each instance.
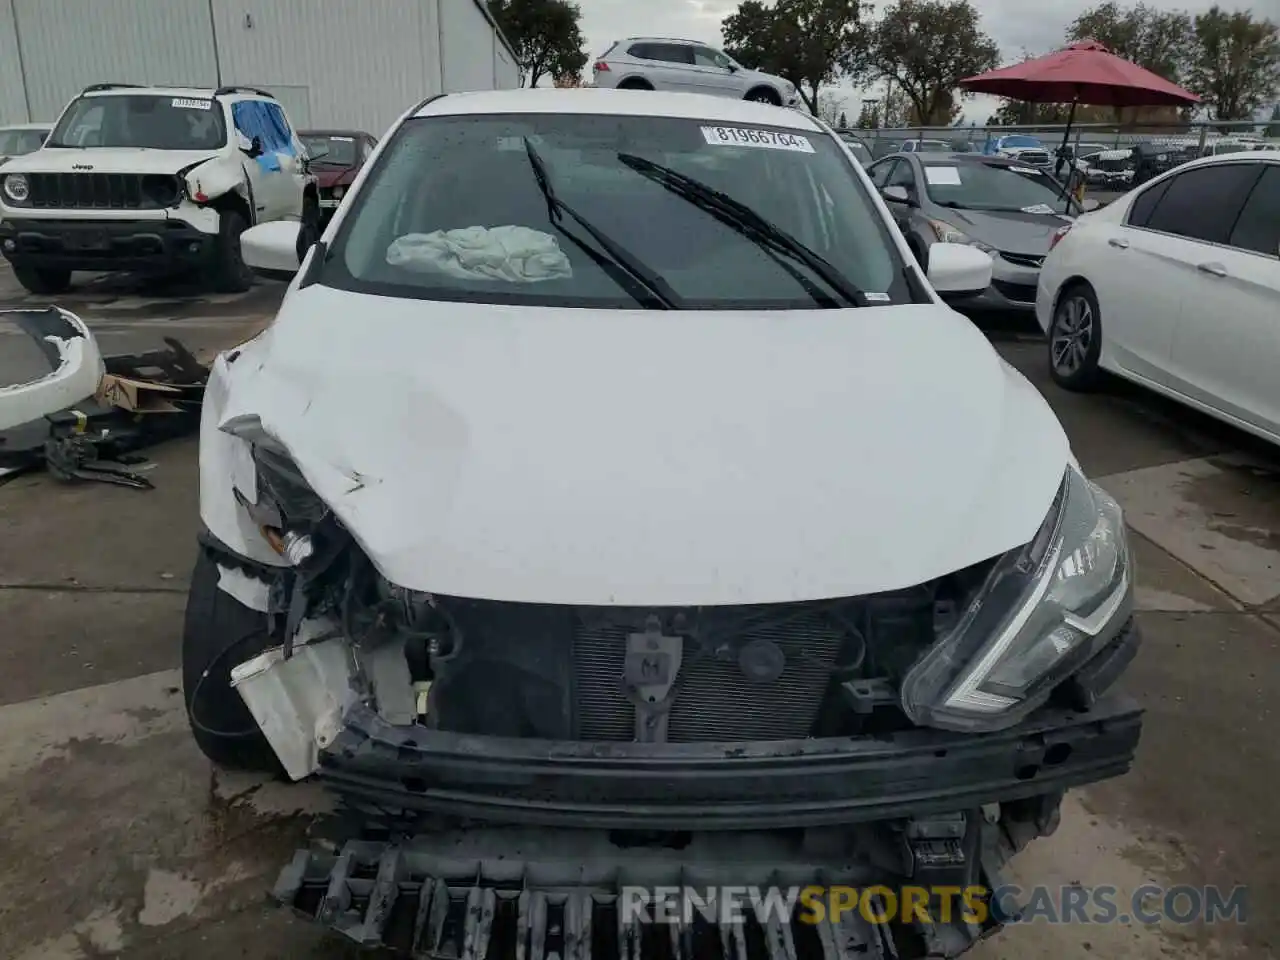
(118, 839)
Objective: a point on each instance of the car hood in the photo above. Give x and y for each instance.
(647, 457)
(1014, 231)
(106, 160)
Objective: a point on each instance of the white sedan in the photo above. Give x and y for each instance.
(1176, 286)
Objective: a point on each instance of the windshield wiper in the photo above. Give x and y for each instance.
(751, 225)
(638, 280)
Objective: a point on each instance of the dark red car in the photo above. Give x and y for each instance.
(336, 158)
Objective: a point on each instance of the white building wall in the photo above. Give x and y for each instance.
(467, 42)
(13, 100)
(332, 63)
(69, 44)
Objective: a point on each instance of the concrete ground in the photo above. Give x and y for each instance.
(119, 840)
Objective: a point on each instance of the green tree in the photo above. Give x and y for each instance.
(926, 47)
(1236, 68)
(1161, 41)
(808, 42)
(546, 36)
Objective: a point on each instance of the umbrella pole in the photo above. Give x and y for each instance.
(1062, 151)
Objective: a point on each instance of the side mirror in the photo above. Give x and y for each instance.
(896, 194)
(274, 250)
(958, 270)
(253, 148)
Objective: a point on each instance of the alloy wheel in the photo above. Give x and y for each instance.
(1072, 336)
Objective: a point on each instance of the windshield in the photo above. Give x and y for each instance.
(454, 211)
(341, 151)
(1016, 141)
(141, 120)
(991, 186)
(15, 143)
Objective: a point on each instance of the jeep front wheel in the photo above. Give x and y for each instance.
(43, 282)
(230, 274)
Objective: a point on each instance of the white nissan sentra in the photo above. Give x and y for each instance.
(614, 488)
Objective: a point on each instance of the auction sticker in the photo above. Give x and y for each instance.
(182, 103)
(753, 137)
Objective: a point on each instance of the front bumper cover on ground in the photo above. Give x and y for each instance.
(740, 786)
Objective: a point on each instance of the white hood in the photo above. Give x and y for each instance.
(106, 160)
(647, 457)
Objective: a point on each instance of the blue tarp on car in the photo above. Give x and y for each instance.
(256, 118)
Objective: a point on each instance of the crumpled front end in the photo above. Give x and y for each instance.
(523, 769)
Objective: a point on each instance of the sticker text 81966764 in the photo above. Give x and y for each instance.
(755, 137)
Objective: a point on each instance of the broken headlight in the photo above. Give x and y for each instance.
(285, 509)
(1041, 613)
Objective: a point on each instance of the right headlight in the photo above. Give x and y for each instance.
(1041, 613)
(16, 188)
(947, 233)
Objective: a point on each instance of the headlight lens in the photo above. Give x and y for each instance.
(1042, 612)
(16, 188)
(946, 233)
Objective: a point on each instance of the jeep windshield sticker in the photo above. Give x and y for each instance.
(344, 139)
(748, 137)
(182, 103)
(942, 176)
(1029, 171)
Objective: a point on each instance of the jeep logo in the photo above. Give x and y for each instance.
(82, 166)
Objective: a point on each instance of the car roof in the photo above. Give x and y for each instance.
(951, 159)
(692, 43)
(195, 93)
(333, 133)
(1247, 156)
(626, 103)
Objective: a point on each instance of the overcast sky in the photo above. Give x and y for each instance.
(1034, 24)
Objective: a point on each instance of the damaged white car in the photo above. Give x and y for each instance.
(614, 500)
(157, 180)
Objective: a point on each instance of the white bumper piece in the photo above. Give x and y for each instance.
(73, 356)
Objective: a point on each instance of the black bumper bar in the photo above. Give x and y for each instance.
(737, 786)
(104, 244)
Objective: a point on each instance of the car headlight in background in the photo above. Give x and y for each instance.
(946, 233)
(1042, 612)
(16, 188)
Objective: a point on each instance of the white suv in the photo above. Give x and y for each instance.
(153, 180)
(683, 66)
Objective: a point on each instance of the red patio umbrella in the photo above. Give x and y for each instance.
(1085, 72)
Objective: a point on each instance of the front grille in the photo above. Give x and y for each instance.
(1024, 259)
(103, 191)
(714, 700)
(1019, 292)
(1035, 158)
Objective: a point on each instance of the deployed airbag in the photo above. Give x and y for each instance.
(511, 253)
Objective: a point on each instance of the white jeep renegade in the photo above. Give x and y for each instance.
(159, 180)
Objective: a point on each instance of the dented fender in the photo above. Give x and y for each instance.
(214, 178)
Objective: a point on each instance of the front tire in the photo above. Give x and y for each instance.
(43, 281)
(218, 633)
(1075, 339)
(230, 274)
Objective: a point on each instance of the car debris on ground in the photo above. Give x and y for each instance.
(85, 419)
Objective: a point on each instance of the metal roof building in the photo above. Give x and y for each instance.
(332, 63)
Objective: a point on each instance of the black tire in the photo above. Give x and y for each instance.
(1075, 339)
(635, 85)
(43, 281)
(764, 95)
(230, 274)
(218, 633)
(309, 232)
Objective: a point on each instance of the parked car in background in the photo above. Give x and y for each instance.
(159, 180)
(1153, 158)
(1227, 145)
(1000, 206)
(1108, 169)
(844, 692)
(884, 146)
(335, 157)
(19, 139)
(1175, 286)
(858, 147)
(685, 66)
(926, 146)
(1030, 150)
